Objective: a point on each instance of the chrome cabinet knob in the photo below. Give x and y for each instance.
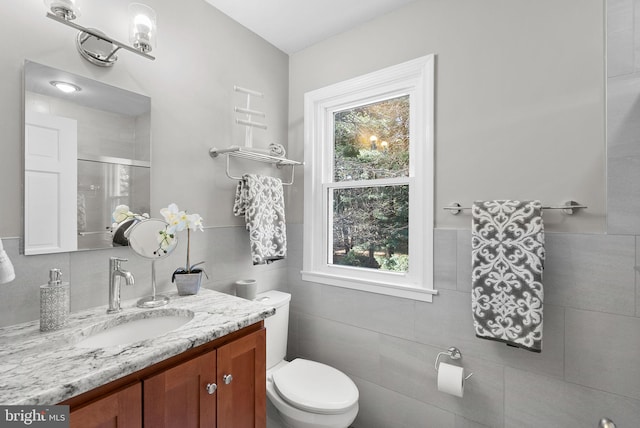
(227, 379)
(211, 388)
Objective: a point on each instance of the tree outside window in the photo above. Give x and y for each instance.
(371, 220)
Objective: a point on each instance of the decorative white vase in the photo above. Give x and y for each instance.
(188, 283)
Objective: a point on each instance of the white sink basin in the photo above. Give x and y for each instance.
(137, 327)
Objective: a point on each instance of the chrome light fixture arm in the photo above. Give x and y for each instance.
(91, 34)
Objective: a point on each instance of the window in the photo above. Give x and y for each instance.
(369, 182)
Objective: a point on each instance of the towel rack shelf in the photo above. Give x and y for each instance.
(567, 208)
(254, 155)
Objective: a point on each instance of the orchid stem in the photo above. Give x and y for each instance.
(188, 247)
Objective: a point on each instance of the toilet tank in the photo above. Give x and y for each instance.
(277, 325)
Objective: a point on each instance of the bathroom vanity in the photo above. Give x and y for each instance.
(209, 372)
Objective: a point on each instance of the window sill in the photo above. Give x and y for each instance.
(406, 292)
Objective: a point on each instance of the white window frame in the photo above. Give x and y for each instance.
(416, 79)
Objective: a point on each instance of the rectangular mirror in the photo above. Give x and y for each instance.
(87, 149)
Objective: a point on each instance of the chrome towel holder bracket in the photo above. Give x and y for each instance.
(254, 155)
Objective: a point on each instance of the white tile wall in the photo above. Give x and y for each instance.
(602, 352)
(623, 116)
(620, 37)
(533, 401)
(592, 272)
(388, 346)
(383, 408)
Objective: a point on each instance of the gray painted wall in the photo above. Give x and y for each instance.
(520, 98)
(520, 113)
(201, 55)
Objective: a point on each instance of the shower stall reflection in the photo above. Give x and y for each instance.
(103, 185)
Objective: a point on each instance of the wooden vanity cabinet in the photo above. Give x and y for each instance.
(242, 371)
(217, 385)
(178, 397)
(120, 409)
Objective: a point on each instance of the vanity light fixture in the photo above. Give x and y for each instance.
(65, 87)
(98, 48)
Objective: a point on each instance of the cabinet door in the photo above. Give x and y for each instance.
(178, 397)
(121, 409)
(242, 399)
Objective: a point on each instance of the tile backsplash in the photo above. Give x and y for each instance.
(225, 250)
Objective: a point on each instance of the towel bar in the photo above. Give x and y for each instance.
(568, 207)
(253, 154)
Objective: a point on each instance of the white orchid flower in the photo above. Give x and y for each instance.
(177, 219)
(194, 222)
(121, 213)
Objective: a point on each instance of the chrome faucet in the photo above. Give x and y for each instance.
(116, 274)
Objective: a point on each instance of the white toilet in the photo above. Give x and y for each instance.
(307, 394)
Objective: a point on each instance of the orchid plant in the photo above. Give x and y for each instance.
(176, 220)
(179, 221)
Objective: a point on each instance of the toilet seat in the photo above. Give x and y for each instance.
(315, 387)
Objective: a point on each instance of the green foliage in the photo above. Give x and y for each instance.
(357, 156)
(349, 259)
(350, 151)
(357, 258)
(374, 219)
(395, 263)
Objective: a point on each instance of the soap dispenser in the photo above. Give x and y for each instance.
(54, 302)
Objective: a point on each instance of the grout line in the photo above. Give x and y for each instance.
(564, 344)
(504, 395)
(635, 276)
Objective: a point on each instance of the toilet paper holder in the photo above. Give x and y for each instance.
(453, 353)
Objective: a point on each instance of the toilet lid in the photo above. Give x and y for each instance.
(315, 387)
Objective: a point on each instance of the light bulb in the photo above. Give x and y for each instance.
(66, 9)
(65, 87)
(143, 27)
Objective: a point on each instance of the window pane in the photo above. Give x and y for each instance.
(372, 141)
(371, 227)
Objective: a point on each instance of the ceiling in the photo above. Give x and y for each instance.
(292, 25)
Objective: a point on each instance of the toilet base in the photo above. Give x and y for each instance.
(291, 417)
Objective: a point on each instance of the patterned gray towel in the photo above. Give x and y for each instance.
(507, 261)
(261, 200)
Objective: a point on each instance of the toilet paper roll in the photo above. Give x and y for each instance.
(451, 379)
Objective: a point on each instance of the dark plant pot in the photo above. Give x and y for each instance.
(187, 283)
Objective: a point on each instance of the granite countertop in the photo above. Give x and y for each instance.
(39, 368)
